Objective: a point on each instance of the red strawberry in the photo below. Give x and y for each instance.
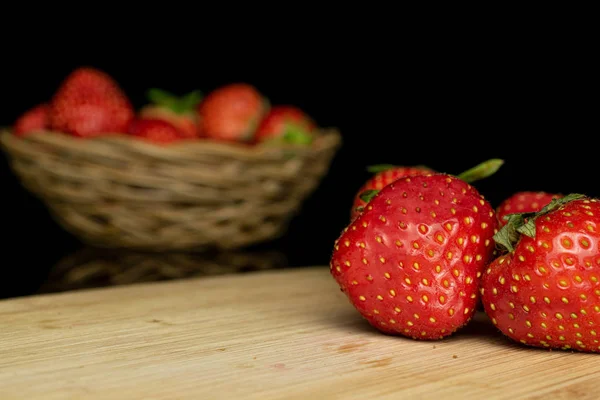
(180, 112)
(34, 119)
(546, 291)
(410, 263)
(155, 130)
(384, 175)
(232, 112)
(523, 202)
(90, 103)
(387, 173)
(286, 123)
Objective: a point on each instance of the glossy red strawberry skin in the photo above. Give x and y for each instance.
(34, 119)
(279, 119)
(187, 124)
(89, 103)
(381, 180)
(547, 293)
(410, 263)
(522, 202)
(155, 130)
(232, 112)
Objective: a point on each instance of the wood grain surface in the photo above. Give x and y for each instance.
(286, 334)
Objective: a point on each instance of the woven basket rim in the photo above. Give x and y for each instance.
(326, 137)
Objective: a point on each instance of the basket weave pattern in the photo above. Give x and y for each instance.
(120, 192)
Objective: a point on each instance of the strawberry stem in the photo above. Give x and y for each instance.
(177, 104)
(481, 171)
(524, 223)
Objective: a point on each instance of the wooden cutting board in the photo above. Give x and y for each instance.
(271, 335)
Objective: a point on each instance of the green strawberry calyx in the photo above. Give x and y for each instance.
(367, 195)
(179, 105)
(518, 224)
(296, 134)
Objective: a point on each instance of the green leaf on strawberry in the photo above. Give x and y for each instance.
(368, 195)
(524, 223)
(296, 134)
(179, 105)
(509, 234)
(481, 171)
(529, 227)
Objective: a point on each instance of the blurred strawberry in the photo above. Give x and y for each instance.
(286, 123)
(155, 130)
(179, 111)
(232, 112)
(90, 103)
(34, 119)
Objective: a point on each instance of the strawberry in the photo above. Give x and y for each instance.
(523, 202)
(90, 103)
(179, 111)
(286, 123)
(155, 130)
(383, 175)
(232, 112)
(34, 119)
(410, 263)
(387, 173)
(545, 292)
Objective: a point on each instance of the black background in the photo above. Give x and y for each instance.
(446, 104)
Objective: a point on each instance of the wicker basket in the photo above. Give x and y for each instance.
(121, 192)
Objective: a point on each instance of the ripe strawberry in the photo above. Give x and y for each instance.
(155, 130)
(410, 263)
(387, 173)
(90, 103)
(383, 176)
(286, 123)
(523, 202)
(34, 119)
(546, 291)
(232, 112)
(179, 111)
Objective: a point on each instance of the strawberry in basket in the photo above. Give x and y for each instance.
(155, 130)
(178, 111)
(286, 123)
(31, 120)
(89, 103)
(232, 112)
